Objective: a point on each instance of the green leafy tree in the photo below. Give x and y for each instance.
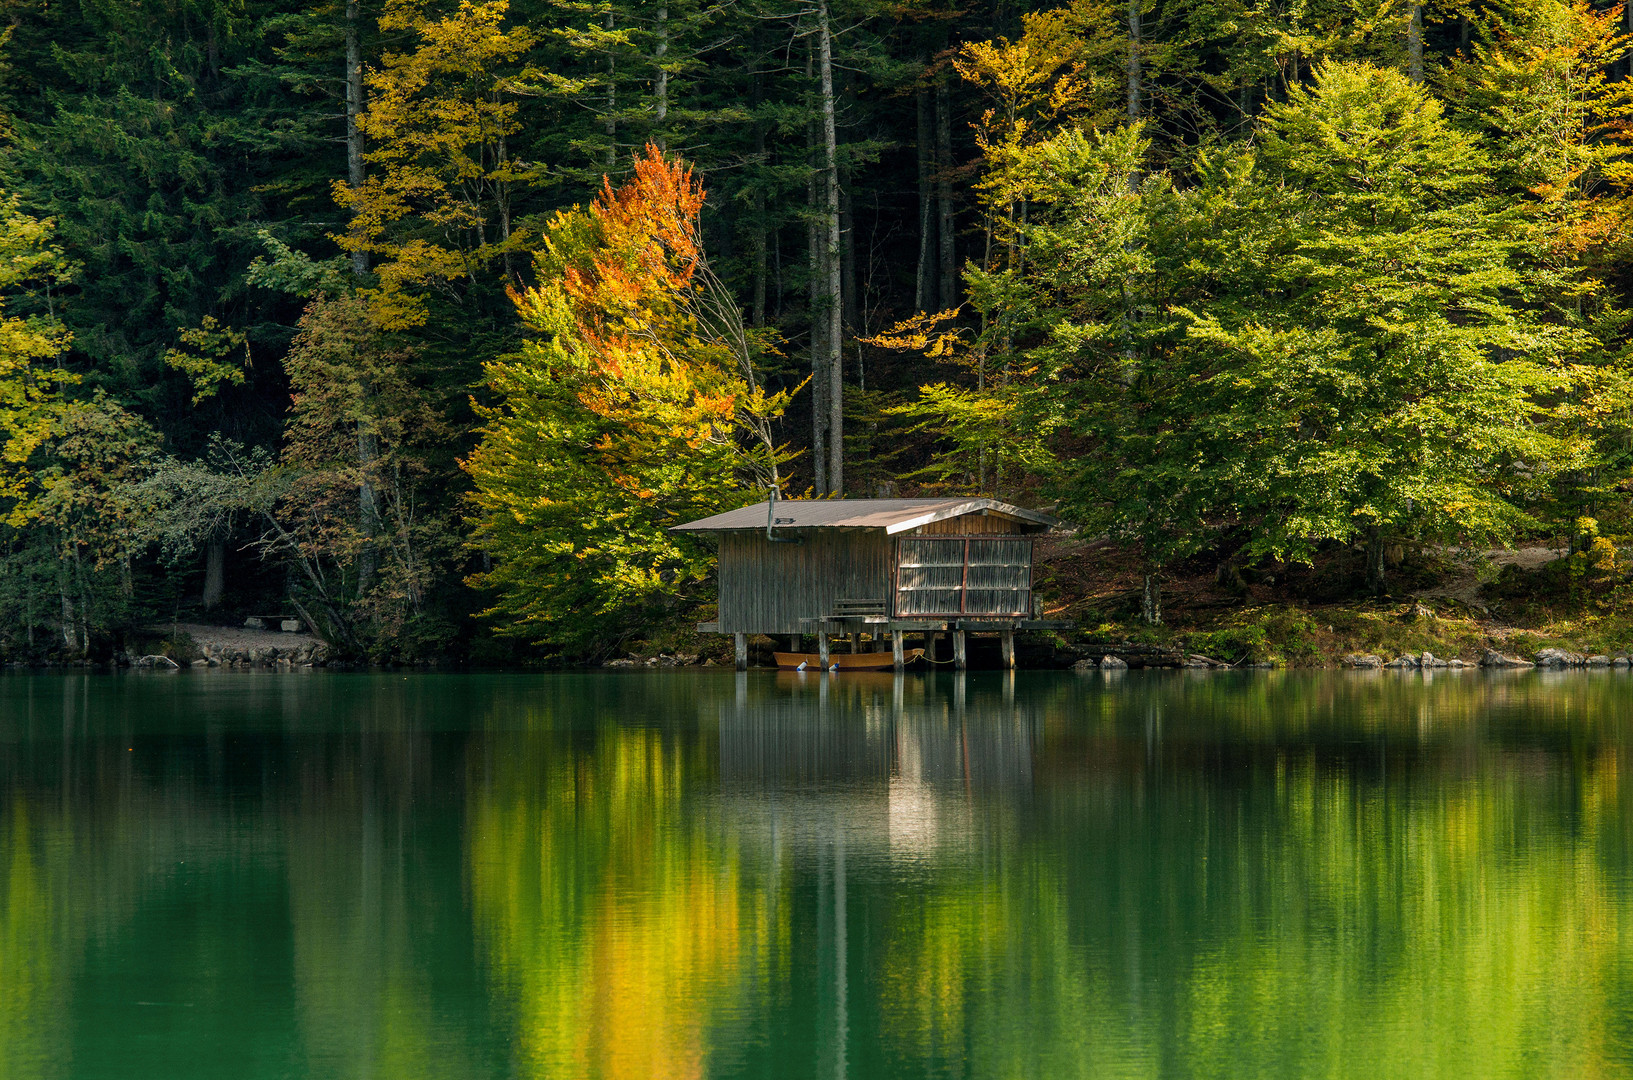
(1389, 353)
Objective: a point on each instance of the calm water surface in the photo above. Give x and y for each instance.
(703, 874)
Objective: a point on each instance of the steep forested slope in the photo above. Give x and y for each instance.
(367, 311)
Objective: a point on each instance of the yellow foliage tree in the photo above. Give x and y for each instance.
(31, 381)
(436, 210)
(1057, 74)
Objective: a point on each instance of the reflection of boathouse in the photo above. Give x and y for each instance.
(891, 762)
(875, 567)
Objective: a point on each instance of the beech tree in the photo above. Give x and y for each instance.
(630, 409)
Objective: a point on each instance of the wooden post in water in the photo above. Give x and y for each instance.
(740, 648)
(822, 647)
(961, 659)
(1006, 646)
(896, 655)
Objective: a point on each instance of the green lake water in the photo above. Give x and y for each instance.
(698, 873)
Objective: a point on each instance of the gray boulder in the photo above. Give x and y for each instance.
(1621, 661)
(1598, 661)
(1113, 663)
(1491, 658)
(1560, 658)
(1403, 662)
(1363, 660)
(1085, 664)
(1428, 660)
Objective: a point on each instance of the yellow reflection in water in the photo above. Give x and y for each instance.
(617, 929)
(33, 992)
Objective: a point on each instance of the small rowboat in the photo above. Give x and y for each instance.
(868, 661)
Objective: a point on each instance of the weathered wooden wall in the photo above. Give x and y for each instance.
(768, 588)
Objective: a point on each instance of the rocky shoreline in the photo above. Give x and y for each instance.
(1553, 659)
(196, 645)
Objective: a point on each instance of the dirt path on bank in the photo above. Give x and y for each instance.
(236, 639)
(1466, 588)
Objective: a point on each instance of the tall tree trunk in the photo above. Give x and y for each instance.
(1414, 44)
(1377, 580)
(367, 448)
(1151, 599)
(368, 502)
(1132, 68)
(834, 289)
(761, 246)
(923, 292)
(848, 284)
(354, 106)
(761, 267)
(215, 563)
(82, 586)
(944, 197)
(819, 322)
(70, 629)
(660, 80)
(610, 120)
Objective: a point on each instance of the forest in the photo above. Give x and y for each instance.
(425, 319)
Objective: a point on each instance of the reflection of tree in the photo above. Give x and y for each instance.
(690, 876)
(1289, 877)
(618, 925)
(287, 897)
(33, 986)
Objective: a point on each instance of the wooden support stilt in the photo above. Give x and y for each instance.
(896, 654)
(961, 658)
(740, 648)
(822, 647)
(1006, 646)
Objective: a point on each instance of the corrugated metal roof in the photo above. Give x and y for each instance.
(891, 515)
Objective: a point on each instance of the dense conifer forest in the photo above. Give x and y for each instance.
(424, 319)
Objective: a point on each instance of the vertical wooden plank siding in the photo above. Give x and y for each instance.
(770, 588)
(973, 525)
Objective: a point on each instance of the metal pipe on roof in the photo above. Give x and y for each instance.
(771, 519)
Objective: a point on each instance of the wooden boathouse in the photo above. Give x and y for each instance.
(874, 567)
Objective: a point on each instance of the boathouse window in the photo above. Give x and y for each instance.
(964, 575)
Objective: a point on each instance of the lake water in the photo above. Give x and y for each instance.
(698, 873)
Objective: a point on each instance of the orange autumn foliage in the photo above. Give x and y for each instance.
(630, 408)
